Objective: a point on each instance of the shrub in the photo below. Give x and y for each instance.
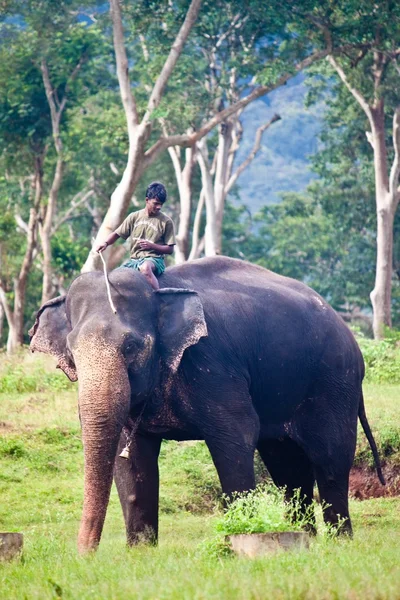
(263, 510)
(381, 357)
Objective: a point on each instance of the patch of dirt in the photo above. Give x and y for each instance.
(364, 482)
(4, 426)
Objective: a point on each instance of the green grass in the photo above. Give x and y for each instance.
(41, 488)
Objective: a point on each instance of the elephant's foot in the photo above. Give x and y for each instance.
(146, 536)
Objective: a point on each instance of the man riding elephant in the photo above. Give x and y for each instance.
(151, 235)
(250, 360)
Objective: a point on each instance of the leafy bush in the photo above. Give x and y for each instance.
(263, 510)
(11, 447)
(381, 357)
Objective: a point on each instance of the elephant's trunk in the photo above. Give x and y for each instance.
(104, 394)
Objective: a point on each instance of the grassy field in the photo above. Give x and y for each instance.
(41, 467)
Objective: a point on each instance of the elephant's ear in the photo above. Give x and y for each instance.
(49, 335)
(181, 323)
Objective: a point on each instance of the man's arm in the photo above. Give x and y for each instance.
(160, 248)
(107, 242)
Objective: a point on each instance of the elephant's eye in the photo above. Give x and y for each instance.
(131, 345)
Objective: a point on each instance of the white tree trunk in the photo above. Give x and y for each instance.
(185, 198)
(119, 202)
(386, 190)
(386, 204)
(211, 235)
(2, 317)
(382, 293)
(197, 245)
(221, 177)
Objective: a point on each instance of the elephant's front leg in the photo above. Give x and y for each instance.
(232, 437)
(137, 481)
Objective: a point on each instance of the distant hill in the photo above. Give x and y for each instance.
(282, 164)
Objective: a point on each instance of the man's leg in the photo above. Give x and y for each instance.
(147, 268)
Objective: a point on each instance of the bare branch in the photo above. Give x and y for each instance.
(113, 168)
(75, 203)
(128, 99)
(21, 223)
(234, 24)
(194, 253)
(252, 154)
(190, 139)
(356, 93)
(174, 54)
(57, 107)
(6, 307)
(50, 96)
(143, 45)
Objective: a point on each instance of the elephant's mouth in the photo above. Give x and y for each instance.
(67, 368)
(63, 362)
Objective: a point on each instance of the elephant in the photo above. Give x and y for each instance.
(227, 352)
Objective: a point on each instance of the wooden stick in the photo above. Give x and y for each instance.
(108, 285)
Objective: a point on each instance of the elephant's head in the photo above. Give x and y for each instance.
(117, 359)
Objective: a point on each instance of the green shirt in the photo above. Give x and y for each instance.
(139, 226)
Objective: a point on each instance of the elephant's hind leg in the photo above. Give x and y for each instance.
(290, 468)
(137, 482)
(333, 485)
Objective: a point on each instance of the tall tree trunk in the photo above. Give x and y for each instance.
(221, 177)
(120, 198)
(381, 295)
(386, 188)
(211, 239)
(46, 229)
(184, 178)
(2, 317)
(16, 318)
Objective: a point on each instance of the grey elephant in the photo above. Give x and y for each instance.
(249, 360)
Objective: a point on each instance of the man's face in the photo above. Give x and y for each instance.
(153, 206)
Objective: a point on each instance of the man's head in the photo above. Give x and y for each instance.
(156, 195)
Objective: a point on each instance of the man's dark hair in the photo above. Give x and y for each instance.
(157, 190)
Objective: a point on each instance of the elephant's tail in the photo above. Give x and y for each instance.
(367, 430)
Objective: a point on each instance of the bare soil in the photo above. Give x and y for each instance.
(364, 482)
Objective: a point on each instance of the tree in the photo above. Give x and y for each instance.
(39, 69)
(293, 58)
(370, 73)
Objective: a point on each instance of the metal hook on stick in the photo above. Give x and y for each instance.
(108, 285)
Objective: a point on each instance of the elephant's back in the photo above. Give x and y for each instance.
(280, 329)
(223, 282)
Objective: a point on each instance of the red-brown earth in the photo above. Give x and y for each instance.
(364, 482)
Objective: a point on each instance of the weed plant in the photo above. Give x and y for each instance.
(381, 357)
(263, 510)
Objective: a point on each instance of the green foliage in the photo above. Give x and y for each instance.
(14, 380)
(12, 448)
(68, 254)
(41, 486)
(381, 357)
(264, 510)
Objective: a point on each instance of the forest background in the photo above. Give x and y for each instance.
(275, 129)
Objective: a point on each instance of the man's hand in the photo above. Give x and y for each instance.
(146, 245)
(100, 247)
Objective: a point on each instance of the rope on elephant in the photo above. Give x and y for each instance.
(108, 285)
